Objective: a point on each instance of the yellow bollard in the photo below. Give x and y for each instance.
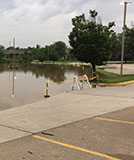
(46, 93)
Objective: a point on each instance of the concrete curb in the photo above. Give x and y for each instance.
(114, 84)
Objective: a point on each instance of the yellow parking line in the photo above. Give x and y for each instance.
(75, 147)
(112, 120)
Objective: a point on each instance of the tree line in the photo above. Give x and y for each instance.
(90, 41)
(58, 51)
(55, 52)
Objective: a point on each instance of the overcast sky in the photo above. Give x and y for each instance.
(44, 22)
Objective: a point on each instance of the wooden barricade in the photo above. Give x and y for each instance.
(79, 82)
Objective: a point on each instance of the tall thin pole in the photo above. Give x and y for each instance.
(13, 53)
(123, 38)
(14, 42)
(13, 83)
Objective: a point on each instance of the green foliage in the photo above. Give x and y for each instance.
(116, 55)
(60, 47)
(10, 48)
(93, 14)
(26, 57)
(90, 41)
(53, 54)
(2, 58)
(42, 54)
(129, 44)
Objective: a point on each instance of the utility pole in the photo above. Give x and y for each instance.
(13, 53)
(123, 37)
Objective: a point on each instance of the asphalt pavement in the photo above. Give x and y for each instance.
(63, 109)
(109, 136)
(65, 126)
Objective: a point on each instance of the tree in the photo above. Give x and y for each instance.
(129, 44)
(10, 48)
(53, 55)
(60, 48)
(91, 41)
(1, 54)
(69, 55)
(35, 51)
(116, 55)
(26, 57)
(42, 54)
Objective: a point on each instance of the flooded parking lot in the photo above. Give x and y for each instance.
(26, 84)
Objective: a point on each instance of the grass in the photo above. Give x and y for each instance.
(104, 76)
(109, 77)
(119, 62)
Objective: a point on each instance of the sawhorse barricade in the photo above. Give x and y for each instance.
(79, 82)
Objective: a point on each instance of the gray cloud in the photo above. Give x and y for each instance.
(43, 9)
(46, 21)
(6, 5)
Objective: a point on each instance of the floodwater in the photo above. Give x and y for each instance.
(27, 84)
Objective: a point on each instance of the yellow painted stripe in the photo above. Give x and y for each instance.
(76, 148)
(99, 84)
(114, 84)
(112, 120)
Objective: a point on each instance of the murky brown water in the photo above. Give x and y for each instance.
(27, 83)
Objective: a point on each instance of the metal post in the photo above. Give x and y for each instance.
(123, 38)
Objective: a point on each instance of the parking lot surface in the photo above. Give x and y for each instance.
(109, 136)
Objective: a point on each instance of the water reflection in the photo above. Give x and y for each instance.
(13, 85)
(14, 77)
(30, 84)
(3, 67)
(55, 72)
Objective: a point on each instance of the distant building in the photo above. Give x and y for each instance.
(16, 52)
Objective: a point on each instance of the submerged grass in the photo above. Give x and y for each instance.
(109, 77)
(104, 76)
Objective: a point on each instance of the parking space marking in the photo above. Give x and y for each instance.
(76, 148)
(113, 120)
